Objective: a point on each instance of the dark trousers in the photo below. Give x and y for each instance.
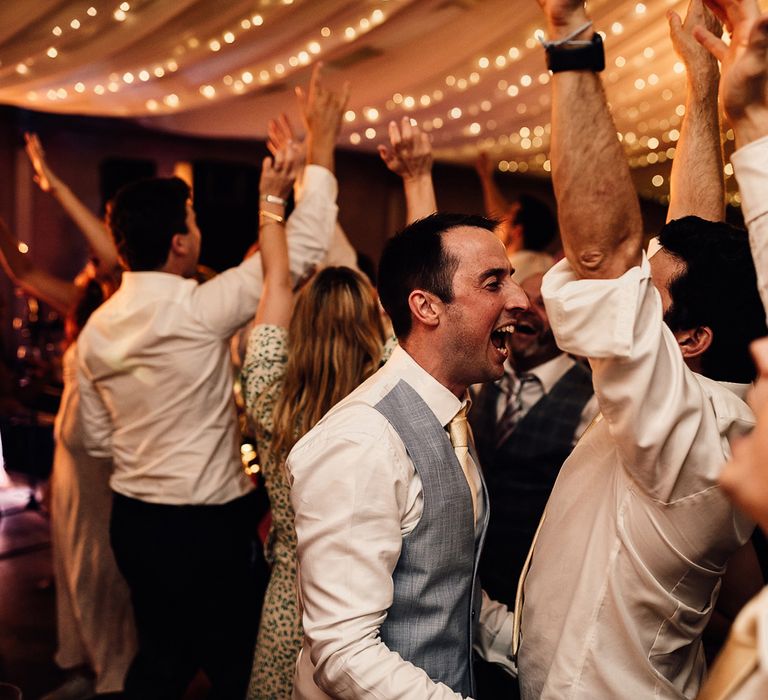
(195, 590)
(493, 683)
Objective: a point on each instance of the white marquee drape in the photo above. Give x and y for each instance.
(471, 72)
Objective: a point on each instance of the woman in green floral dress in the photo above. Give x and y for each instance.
(300, 362)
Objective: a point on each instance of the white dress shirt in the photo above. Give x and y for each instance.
(356, 494)
(754, 615)
(637, 532)
(155, 376)
(749, 165)
(548, 373)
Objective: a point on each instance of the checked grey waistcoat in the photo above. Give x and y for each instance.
(436, 594)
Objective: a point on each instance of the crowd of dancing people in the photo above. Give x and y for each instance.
(510, 466)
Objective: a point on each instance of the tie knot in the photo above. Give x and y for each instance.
(458, 427)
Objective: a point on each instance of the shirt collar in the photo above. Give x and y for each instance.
(151, 280)
(740, 390)
(548, 373)
(441, 400)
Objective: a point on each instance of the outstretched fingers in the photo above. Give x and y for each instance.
(717, 47)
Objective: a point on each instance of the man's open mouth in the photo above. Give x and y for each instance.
(499, 338)
(525, 328)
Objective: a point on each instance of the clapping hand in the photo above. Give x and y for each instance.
(744, 83)
(698, 61)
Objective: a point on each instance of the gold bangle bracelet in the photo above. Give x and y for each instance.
(274, 217)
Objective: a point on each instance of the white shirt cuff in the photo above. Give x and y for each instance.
(750, 165)
(317, 177)
(594, 318)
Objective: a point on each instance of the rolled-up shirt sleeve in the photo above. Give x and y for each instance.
(96, 422)
(655, 406)
(349, 493)
(750, 165)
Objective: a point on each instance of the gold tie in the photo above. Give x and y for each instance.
(734, 664)
(458, 429)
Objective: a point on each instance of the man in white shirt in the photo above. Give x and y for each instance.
(637, 534)
(156, 395)
(525, 426)
(390, 510)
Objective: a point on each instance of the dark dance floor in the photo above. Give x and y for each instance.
(27, 595)
(27, 626)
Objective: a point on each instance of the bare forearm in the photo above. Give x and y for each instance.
(697, 187)
(91, 226)
(56, 292)
(599, 212)
(496, 205)
(419, 197)
(320, 150)
(274, 247)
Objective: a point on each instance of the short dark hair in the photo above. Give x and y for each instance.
(538, 222)
(718, 289)
(416, 258)
(143, 218)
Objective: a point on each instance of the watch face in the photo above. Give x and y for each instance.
(577, 55)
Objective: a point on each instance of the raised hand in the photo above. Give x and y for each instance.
(484, 166)
(279, 172)
(322, 110)
(43, 175)
(563, 16)
(279, 133)
(699, 63)
(409, 154)
(697, 185)
(744, 84)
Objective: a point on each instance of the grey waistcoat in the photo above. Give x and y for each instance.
(436, 594)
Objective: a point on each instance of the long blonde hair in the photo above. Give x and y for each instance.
(335, 341)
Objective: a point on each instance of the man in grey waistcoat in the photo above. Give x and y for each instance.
(391, 508)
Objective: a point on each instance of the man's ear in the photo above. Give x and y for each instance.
(695, 342)
(179, 244)
(425, 307)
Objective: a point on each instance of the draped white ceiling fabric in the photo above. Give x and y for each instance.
(471, 72)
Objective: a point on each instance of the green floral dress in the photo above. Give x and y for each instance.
(280, 632)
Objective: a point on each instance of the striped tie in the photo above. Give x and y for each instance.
(513, 411)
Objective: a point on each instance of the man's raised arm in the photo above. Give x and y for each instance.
(599, 212)
(697, 187)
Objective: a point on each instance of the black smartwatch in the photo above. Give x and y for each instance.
(583, 55)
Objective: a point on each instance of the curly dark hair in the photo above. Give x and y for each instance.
(718, 289)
